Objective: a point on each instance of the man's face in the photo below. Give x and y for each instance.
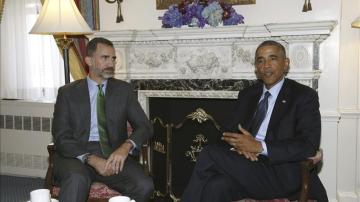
(102, 62)
(271, 65)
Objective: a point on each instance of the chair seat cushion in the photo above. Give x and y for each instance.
(97, 191)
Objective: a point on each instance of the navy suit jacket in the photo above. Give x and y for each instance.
(294, 129)
(71, 123)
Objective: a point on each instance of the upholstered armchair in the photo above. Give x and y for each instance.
(99, 192)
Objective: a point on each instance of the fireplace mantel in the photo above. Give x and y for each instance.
(216, 52)
(194, 58)
(240, 31)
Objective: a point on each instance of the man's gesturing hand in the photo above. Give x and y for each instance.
(244, 143)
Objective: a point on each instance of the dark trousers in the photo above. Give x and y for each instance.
(75, 178)
(221, 175)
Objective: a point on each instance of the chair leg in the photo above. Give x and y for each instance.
(306, 167)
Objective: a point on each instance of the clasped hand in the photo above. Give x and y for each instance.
(112, 165)
(244, 144)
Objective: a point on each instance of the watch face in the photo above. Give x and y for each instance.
(85, 158)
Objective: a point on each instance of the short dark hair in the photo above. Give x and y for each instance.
(92, 45)
(271, 43)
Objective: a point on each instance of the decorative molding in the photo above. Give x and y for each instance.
(240, 31)
(143, 95)
(350, 113)
(330, 116)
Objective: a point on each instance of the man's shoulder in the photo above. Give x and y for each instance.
(117, 83)
(254, 87)
(296, 86)
(73, 85)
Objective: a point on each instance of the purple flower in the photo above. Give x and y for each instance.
(213, 14)
(193, 14)
(172, 17)
(198, 13)
(234, 18)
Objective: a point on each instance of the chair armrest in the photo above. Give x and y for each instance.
(49, 173)
(306, 167)
(144, 157)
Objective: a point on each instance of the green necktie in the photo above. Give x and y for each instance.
(104, 141)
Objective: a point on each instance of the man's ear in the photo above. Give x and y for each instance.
(88, 61)
(287, 66)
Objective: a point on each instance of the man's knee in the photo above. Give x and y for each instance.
(76, 178)
(74, 187)
(217, 183)
(145, 186)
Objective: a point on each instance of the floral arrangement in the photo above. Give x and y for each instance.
(198, 13)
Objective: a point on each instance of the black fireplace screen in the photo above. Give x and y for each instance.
(182, 127)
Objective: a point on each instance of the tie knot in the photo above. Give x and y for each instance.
(267, 94)
(100, 86)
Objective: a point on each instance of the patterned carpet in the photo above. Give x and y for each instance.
(17, 189)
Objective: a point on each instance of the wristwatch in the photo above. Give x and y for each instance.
(85, 158)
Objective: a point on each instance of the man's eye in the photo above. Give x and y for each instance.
(259, 61)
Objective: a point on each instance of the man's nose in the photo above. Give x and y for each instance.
(110, 62)
(267, 63)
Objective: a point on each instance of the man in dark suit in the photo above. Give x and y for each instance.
(276, 124)
(90, 131)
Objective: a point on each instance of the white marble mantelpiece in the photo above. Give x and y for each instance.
(215, 53)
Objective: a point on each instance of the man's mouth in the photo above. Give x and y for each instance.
(108, 70)
(267, 73)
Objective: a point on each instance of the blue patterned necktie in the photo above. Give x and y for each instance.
(260, 113)
(103, 136)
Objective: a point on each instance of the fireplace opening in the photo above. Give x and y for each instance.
(186, 126)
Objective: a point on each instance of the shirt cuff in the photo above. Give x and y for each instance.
(133, 147)
(81, 157)
(264, 151)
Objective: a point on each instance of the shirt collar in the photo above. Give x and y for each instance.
(274, 91)
(93, 84)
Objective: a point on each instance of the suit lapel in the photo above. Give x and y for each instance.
(253, 101)
(83, 96)
(281, 105)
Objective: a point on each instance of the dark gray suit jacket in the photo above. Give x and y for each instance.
(71, 124)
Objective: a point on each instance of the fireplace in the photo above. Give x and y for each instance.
(189, 116)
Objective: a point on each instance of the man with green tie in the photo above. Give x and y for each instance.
(90, 131)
